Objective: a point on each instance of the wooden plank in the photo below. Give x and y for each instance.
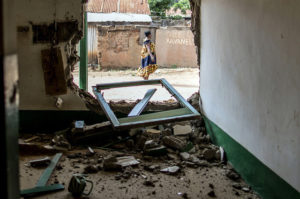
(177, 95)
(128, 84)
(54, 73)
(105, 107)
(139, 107)
(41, 190)
(47, 173)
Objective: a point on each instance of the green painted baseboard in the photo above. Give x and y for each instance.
(261, 178)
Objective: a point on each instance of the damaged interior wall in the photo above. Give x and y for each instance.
(54, 24)
(249, 81)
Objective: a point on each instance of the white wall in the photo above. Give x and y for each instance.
(32, 89)
(250, 77)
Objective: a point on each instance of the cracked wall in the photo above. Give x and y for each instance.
(52, 25)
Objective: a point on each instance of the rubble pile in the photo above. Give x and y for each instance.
(168, 149)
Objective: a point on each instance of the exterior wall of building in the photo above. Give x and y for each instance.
(120, 46)
(249, 79)
(175, 47)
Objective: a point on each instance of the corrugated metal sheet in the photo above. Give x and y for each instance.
(121, 6)
(118, 17)
(92, 45)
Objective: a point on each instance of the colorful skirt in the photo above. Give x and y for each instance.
(147, 66)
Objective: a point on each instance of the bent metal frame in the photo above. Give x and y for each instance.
(187, 112)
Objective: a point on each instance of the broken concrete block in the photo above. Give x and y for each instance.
(151, 167)
(140, 143)
(170, 170)
(156, 151)
(173, 142)
(114, 163)
(166, 132)
(152, 133)
(209, 154)
(150, 144)
(184, 156)
(182, 129)
(40, 162)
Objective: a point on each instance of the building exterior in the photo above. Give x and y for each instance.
(116, 32)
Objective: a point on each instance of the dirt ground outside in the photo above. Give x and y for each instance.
(184, 80)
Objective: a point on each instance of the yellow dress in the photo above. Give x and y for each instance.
(147, 65)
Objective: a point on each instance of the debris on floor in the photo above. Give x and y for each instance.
(168, 161)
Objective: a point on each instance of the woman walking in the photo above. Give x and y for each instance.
(148, 63)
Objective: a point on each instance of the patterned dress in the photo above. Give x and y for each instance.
(147, 65)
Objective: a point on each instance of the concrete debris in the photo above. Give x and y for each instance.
(140, 143)
(185, 156)
(246, 189)
(90, 152)
(91, 169)
(115, 163)
(40, 162)
(209, 154)
(150, 144)
(61, 141)
(152, 134)
(152, 168)
(156, 151)
(232, 175)
(187, 149)
(174, 142)
(170, 170)
(182, 129)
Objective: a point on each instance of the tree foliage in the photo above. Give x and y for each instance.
(183, 5)
(159, 7)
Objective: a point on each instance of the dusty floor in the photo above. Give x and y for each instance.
(193, 181)
(203, 176)
(185, 80)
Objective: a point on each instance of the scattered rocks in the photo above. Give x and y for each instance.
(182, 129)
(40, 162)
(209, 154)
(91, 169)
(170, 170)
(185, 156)
(211, 194)
(232, 175)
(174, 142)
(156, 151)
(115, 163)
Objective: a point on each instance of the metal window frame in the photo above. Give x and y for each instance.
(186, 113)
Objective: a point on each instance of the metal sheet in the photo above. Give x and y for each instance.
(139, 107)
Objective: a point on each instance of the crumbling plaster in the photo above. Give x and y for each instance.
(32, 88)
